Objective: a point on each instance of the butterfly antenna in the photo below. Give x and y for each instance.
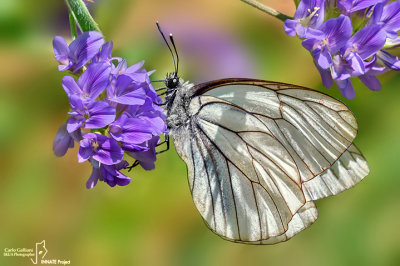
(176, 52)
(169, 47)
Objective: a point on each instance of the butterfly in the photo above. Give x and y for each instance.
(259, 153)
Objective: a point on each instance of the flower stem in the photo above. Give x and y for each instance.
(72, 25)
(267, 9)
(81, 15)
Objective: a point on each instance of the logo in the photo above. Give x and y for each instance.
(41, 251)
(37, 255)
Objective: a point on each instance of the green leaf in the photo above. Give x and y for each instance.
(81, 15)
(296, 2)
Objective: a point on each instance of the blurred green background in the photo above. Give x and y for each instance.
(153, 221)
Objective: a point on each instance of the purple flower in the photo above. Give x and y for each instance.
(112, 176)
(364, 44)
(326, 75)
(346, 88)
(388, 17)
(145, 153)
(105, 55)
(389, 60)
(117, 104)
(331, 37)
(79, 52)
(152, 94)
(341, 53)
(95, 176)
(123, 69)
(131, 130)
(125, 90)
(131, 85)
(372, 69)
(90, 84)
(152, 113)
(350, 6)
(309, 15)
(95, 114)
(108, 173)
(100, 148)
(341, 69)
(64, 140)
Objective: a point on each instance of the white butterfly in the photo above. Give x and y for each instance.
(259, 153)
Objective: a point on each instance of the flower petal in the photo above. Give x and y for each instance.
(61, 50)
(337, 32)
(309, 44)
(63, 141)
(85, 149)
(131, 130)
(113, 176)
(73, 124)
(356, 64)
(85, 47)
(134, 68)
(105, 53)
(123, 81)
(109, 151)
(101, 114)
(339, 69)
(391, 16)
(135, 97)
(94, 80)
(351, 6)
(94, 177)
(389, 60)
(290, 27)
(312, 10)
(147, 158)
(70, 86)
(346, 88)
(323, 57)
(326, 76)
(368, 40)
(371, 82)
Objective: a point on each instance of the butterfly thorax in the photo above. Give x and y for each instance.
(178, 96)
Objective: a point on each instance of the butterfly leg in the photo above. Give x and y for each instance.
(160, 89)
(166, 141)
(162, 104)
(163, 93)
(135, 163)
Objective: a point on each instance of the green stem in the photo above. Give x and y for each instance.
(72, 25)
(82, 16)
(267, 9)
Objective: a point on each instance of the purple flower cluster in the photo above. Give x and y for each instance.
(348, 38)
(114, 109)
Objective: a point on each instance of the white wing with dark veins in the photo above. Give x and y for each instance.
(258, 156)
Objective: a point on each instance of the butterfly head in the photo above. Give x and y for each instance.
(172, 81)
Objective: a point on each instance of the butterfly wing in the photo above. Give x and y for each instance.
(258, 154)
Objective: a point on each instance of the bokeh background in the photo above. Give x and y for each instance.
(153, 221)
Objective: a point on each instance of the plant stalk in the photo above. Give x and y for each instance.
(266, 9)
(81, 15)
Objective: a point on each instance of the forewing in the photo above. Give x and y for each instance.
(314, 127)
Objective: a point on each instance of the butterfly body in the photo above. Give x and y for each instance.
(177, 104)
